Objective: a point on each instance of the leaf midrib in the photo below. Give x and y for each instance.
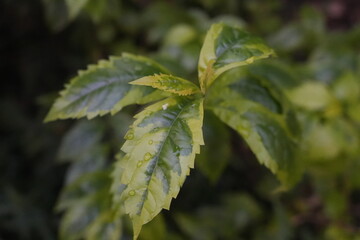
(157, 158)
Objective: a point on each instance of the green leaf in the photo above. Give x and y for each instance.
(168, 83)
(159, 152)
(154, 230)
(227, 47)
(231, 218)
(75, 6)
(214, 157)
(104, 88)
(83, 202)
(242, 102)
(311, 96)
(105, 227)
(80, 140)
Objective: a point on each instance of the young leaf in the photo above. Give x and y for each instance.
(249, 108)
(160, 150)
(227, 47)
(168, 83)
(104, 88)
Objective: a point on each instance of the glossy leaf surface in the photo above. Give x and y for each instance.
(242, 102)
(227, 47)
(159, 152)
(168, 83)
(105, 88)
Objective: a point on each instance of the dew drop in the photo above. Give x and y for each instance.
(147, 156)
(139, 164)
(132, 193)
(151, 142)
(129, 135)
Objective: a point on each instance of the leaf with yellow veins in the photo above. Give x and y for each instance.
(159, 152)
(168, 83)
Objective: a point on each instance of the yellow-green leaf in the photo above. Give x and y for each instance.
(242, 102)
(227, 47)
(168, 83)
(105, 88)
(159, 152)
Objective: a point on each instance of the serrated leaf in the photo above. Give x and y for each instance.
(168, 83)
(242, 102)
(104, 88)
(226, 47)
(160, 150)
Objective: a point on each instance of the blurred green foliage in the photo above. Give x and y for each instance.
(49, 191)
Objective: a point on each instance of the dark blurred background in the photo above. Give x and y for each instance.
(43, 45)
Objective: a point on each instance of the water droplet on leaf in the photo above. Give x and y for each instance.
(147, 156)
(139, 164)
(129, 135)
(151, 142)
(132, 193)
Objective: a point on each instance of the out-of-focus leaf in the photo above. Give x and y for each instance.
(215, 155)
(328, 65)
(288, 38)
(80, 139)
(226, 221)
(85, 186)
(242, 102)
(182, 44)
(94, 160)
(180, 35)
(279, 227)
(105, 227)
(82, 147)
(311, 96)
(154, 230)
(279, 74)
(347, 88)
(168, 83)
(104, 10)
(160, 150)
(75, 6)
(226, 47)
(160, 17)
(56, 14)
(104, 88)
(329, 140)
(304, 34)
(354, 112)
(83, 202)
